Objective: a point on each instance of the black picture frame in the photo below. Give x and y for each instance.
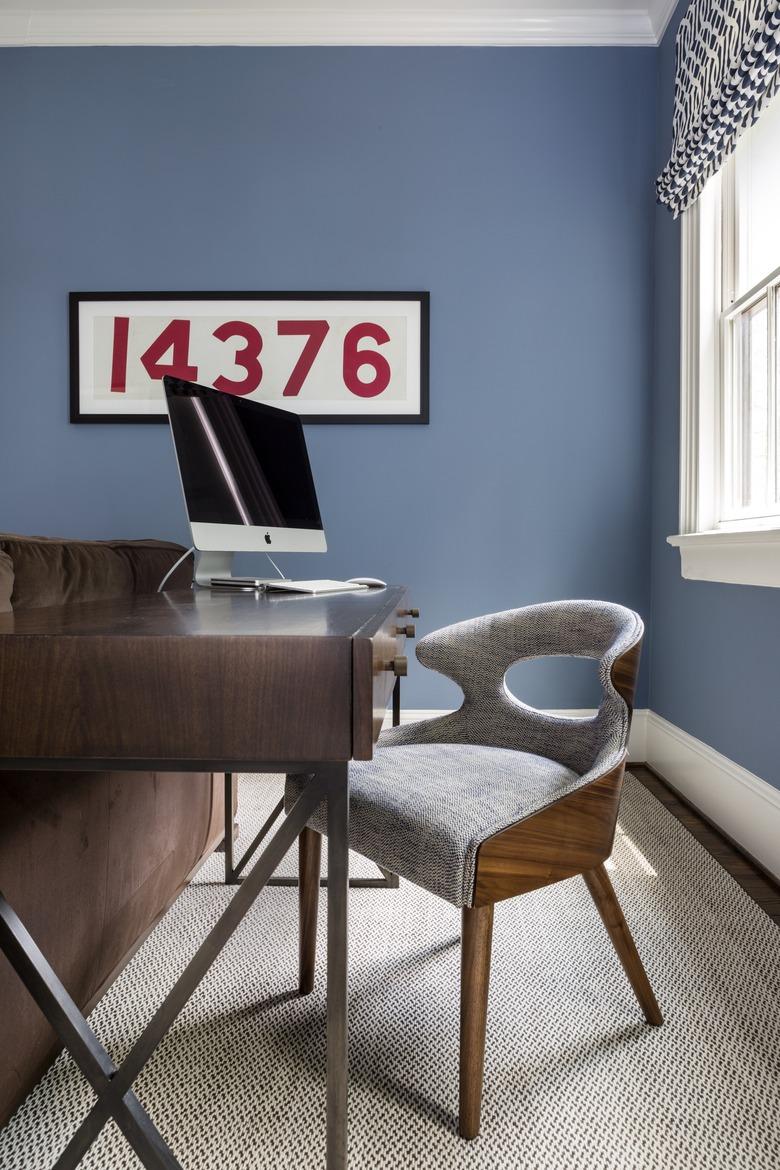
(75, 299)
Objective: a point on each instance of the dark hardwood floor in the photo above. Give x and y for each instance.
(761, 888)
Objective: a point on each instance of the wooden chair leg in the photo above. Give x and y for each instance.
(309, 853)
(607, 904)
(476, 938)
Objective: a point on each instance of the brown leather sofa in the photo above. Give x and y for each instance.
(90, 861)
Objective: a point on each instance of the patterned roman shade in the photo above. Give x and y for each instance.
(728, 67)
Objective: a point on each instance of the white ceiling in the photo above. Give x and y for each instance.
(346, 22)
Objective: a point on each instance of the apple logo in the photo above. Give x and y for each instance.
(267, 538)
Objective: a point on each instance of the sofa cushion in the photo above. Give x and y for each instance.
(51, 571)
(6, 582)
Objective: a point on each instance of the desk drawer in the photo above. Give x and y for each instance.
(378, 659)
(138, 702)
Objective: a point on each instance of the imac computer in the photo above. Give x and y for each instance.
(247, 482)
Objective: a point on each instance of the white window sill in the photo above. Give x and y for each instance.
(745, 557)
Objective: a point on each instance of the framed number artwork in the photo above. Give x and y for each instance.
(329, 357)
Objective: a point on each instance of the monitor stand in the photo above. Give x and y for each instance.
(218, 566)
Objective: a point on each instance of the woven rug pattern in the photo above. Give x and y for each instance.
(575, 1080)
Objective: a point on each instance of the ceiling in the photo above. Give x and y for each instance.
(345, 22)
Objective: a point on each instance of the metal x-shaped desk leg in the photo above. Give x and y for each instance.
(112, 1084)
(89, 1054)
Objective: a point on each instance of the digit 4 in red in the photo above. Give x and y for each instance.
(176, 337)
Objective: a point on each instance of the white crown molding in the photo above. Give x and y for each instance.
(299, 25)
(660, 13)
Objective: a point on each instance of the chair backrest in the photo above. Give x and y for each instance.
(477, 654)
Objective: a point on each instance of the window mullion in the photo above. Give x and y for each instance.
(729, 258)
(729, 463)
(773, 492)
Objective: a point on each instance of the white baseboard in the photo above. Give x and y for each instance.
(637, 744)
(745, 807)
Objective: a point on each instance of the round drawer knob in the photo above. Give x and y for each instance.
(398, 665)
(406, 631)
(415, 613)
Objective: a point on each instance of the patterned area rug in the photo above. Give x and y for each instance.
(574, 1080)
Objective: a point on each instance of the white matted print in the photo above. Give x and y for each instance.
(329, 357)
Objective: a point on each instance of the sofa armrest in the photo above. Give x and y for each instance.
(6, 582)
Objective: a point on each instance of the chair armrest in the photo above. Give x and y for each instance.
(421, 731)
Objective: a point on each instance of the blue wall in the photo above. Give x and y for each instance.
(714, 663)
(512, 183)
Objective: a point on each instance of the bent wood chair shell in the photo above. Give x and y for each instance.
(574, 768)
(569, 837)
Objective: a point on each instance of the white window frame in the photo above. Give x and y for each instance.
(744, 551)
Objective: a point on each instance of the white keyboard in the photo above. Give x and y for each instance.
(314, 587)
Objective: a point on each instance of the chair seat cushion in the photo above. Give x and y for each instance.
(423, 810)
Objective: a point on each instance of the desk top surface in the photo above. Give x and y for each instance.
(207, 613)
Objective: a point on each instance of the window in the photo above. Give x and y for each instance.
(730, 401)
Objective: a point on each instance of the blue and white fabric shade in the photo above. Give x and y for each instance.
(728, 68)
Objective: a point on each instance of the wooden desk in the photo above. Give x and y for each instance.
(200, 681)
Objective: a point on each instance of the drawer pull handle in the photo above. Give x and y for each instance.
(415, 613)
(398, 665)
(405, 631)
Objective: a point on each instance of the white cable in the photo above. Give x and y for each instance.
(173, 568)
(273, 562)
(184, 556)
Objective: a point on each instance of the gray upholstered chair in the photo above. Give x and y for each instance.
(497, 798)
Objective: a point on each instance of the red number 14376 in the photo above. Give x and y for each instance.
(169, 353)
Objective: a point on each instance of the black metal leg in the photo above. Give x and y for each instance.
(391, 881)
(89, 1054)
(338, 888)
(112, 1085)
(233, 868)
(230, 830)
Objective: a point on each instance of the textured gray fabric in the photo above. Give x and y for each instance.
(477, 654)
(424, 812)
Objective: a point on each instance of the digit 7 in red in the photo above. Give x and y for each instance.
(316, 332)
